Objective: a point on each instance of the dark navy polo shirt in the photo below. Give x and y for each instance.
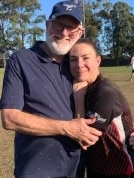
(35, 84)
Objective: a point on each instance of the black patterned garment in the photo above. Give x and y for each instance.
(111, 155)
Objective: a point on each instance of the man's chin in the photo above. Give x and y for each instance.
(58, 46)
(58, 49)
(60, 52)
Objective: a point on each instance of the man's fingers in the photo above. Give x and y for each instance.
(90, 121)
(87, 144)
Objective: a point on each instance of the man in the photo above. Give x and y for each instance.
(37, 101)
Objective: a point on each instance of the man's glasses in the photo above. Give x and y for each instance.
(58, 27)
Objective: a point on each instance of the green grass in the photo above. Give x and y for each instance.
(6, 146)
(1, 77)
(117, 73)
(120, 75)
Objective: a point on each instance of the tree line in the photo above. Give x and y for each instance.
(19, 24)
(111, 25)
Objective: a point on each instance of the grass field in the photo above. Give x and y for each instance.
(120, 75)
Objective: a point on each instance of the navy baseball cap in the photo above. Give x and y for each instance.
(67, 8)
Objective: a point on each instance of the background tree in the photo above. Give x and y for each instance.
(112, 26)
(121, 19)
(19, 23)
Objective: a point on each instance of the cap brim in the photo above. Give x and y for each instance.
(68, 14)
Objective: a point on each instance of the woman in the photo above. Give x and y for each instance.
(97, 97)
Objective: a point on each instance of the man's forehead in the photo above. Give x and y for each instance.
(66, 18)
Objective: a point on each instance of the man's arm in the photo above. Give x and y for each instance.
(77, 129)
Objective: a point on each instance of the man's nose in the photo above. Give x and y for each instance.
(64, 31)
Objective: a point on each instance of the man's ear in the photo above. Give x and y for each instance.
(47, 22)
(82, 32)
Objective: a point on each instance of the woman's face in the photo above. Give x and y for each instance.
(84, 62)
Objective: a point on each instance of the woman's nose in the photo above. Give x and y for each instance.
(80, 63)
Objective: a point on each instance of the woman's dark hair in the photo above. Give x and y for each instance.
(88, 42)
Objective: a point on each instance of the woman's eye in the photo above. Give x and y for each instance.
(86, 58)
(72, 59)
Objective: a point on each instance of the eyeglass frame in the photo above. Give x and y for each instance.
(63, 26)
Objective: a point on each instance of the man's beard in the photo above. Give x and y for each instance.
(61, 47)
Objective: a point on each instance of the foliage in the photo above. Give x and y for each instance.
(18, 23)
(111, 25)
(123, 31)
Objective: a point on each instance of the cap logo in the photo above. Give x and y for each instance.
(69, 6)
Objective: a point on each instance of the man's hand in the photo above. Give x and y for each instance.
(79, 130)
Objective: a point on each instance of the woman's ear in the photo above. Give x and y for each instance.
(99, 60)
